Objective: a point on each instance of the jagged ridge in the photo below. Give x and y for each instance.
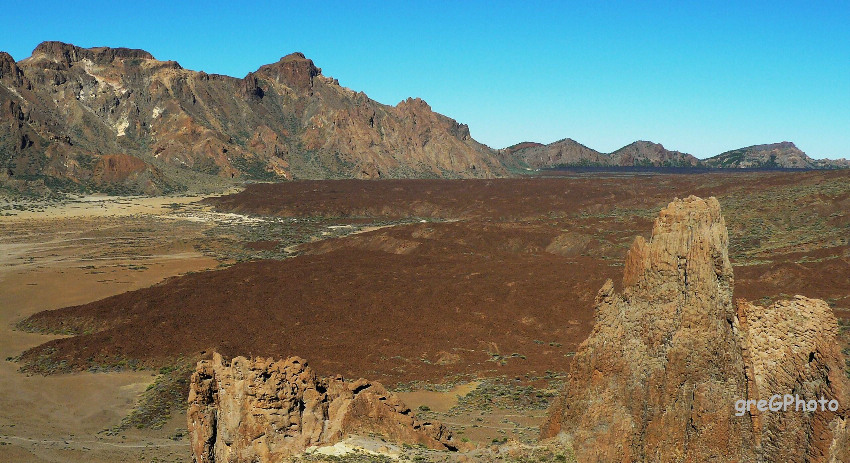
(65, 107)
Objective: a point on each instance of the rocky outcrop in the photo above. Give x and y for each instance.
(671, 356)
(791, 348)
(10, 70)
(658, 377)
(261, 410)
(294, 69)
(283, 121)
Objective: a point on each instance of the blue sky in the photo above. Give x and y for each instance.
(699, 77)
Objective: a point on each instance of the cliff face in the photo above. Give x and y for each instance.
(64, 107)
(669, 358)
(262, 410)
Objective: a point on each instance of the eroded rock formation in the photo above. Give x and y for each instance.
(659, 376)
(791, 348)
(263, 410)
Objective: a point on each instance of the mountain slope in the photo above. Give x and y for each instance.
(647, 153)
(560, 153)
(65, 108)
(782, 155)
(568, 152)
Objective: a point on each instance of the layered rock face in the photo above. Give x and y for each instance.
(659, 377)
(261, 410)
(64, 107)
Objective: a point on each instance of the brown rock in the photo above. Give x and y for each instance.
(261, 410)
(66, 54)
(116, 167)
(294, 69)
(792, 348)
(251, 87)
(9, 69)
(659, 377)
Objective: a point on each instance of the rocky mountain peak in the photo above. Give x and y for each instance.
(295, 70)
(66, 53)
(414, 104)
(283, 121)
(782, 145)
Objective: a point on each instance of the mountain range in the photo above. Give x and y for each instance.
(118, 120)
(568, 152)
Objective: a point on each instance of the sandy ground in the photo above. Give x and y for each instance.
(73, 253)
(437, 400)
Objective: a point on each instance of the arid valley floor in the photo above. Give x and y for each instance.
(469, 297)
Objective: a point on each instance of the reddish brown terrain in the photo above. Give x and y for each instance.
(498, 280)
(469, 298)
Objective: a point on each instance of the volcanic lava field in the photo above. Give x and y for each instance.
(492, 277)
(413, 282)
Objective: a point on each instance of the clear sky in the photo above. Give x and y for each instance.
(698, 77)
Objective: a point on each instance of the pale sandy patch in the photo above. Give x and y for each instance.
(73, 253)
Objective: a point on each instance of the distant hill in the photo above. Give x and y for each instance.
(564, 152)
(647, 153)
(117, 119)
(568, 152)
(783, 155)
